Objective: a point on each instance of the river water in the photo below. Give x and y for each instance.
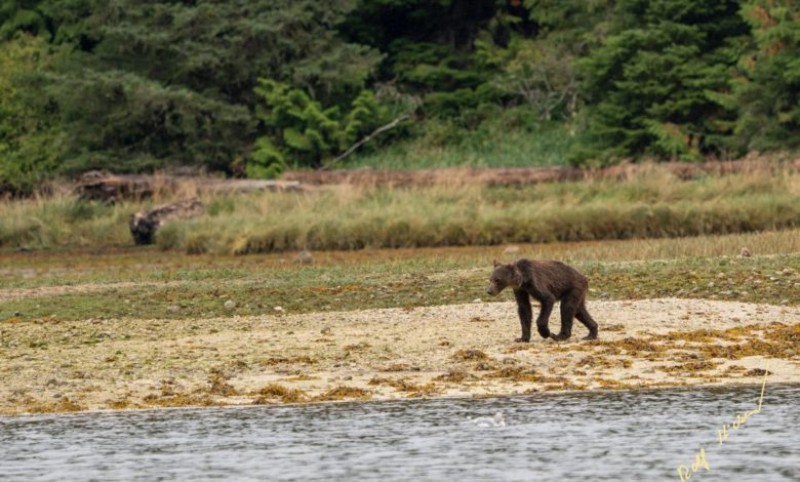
(625, 435)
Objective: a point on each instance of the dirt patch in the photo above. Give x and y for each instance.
(57, 366)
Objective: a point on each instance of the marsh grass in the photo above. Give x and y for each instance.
(655, 204)
(62, 221)
(650, 204)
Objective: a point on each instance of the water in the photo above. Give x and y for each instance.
(640, 435)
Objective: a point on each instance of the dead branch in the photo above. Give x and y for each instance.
(366, 139)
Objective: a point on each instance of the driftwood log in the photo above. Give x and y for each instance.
(144, 224)
(112, 188)
(104, 186)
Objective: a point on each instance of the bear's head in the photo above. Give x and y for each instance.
(502, 276)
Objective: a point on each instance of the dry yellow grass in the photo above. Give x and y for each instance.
(651, 203)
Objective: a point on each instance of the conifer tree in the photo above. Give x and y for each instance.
(652, 86)
(768, 93)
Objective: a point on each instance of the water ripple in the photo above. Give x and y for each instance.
(636, 435)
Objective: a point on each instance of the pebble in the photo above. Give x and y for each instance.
(230, 304)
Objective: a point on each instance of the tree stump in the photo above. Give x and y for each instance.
(144, 224)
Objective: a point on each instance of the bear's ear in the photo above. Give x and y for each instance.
(496, 263)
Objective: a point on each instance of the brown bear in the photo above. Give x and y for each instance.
(547, 282)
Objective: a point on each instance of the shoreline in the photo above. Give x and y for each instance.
(721, 386)
(449, 351)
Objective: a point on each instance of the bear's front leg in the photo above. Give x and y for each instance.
(525, 315)
(544, 318)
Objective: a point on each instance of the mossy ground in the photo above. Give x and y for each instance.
(151, 284)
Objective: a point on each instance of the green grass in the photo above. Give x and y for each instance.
(652, 204)
(503, 143)
(150, 284)
(63, 221)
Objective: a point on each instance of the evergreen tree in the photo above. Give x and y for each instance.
(536, 60)
(654, 86)
(429, 49)
(768, 93)
(173, 82)
(30, 134)
(143, 84)
(301, 131)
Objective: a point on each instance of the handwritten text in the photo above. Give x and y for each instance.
(686, 472)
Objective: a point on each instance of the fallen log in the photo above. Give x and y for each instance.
(107, 187)
(112, 188)
(144, 224)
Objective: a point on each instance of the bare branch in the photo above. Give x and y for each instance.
(366, 139)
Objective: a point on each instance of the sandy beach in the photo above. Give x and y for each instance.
(445, 351)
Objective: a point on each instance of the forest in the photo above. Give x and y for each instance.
(253, 88)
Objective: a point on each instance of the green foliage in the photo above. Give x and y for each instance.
(221, 48)
(429, 49)
(448, 79)
(53, 20)
(534, 62)
(507, 137)
(298, 124)
(651, 85)
(302, 131)
(141, 85)
(136, 85)
(364, 115)
(539, 73)
(670, 140)
(142, 124)
(211, 55)
(30, 138)
(768, 93)
(16, 16)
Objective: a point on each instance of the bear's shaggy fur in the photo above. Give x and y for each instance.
(547, 282)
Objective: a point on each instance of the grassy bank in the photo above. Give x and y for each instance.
(652, 204)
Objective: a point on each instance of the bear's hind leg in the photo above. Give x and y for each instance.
(585, 318)
(569, 307)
